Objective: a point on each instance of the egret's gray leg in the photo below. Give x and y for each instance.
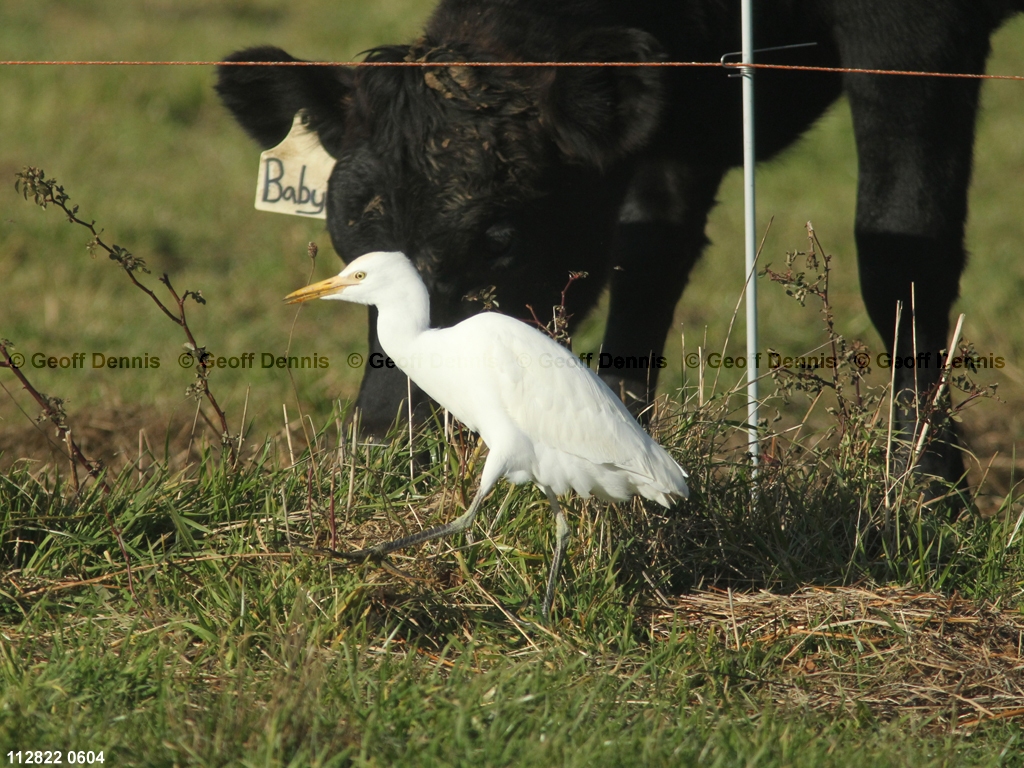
(561, 541)
(459, 524)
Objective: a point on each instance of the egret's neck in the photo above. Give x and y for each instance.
(402, 317)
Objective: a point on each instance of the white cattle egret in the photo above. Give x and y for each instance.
(544, 415)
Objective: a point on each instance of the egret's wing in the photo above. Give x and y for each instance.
(557, 401)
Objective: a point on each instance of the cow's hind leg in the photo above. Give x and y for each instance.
(914, 141)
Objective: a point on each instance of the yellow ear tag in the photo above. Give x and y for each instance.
(293, 175)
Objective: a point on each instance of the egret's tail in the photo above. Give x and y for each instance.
(666, 481)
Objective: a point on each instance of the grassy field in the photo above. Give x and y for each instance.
(191, 619)
(816, 616)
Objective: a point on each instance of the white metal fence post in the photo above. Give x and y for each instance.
(750, 224)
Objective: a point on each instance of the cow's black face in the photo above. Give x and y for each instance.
(445, 165)
(483, 176)
(523, 246)
(453, 167)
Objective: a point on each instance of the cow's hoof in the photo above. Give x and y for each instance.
(941, 471)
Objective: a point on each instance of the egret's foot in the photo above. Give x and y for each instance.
(360, 556)
(355, 556)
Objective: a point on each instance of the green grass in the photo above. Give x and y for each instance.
(791, 620)
(237, 643)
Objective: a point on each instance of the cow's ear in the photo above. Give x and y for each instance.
(600, 114)
(264, 99)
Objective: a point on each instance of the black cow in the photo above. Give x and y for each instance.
(513, 176)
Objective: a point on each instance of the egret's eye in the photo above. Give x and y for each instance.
(359, 276)
(499, 238)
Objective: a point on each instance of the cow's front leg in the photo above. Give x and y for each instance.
(659, 239)
(384, 391)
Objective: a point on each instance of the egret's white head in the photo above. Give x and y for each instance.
(365, 280)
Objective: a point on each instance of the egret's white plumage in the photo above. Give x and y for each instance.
(546, 418)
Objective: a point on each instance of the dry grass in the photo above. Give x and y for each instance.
(891, 651)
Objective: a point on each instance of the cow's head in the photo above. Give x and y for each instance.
(504, 176)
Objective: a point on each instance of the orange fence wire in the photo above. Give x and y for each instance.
(715, 64)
